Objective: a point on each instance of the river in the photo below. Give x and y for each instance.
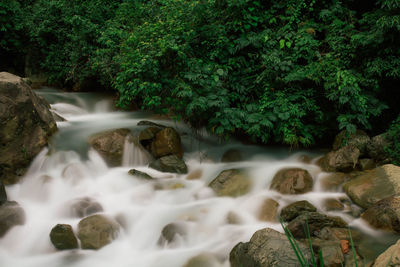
(69, 170)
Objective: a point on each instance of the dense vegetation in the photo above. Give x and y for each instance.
(291, 72)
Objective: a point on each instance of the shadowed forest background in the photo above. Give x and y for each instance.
(288, 72)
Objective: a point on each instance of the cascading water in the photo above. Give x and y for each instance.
(70, 170)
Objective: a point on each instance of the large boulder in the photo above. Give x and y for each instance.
(110, 145)
(166, 142)
(359, 139)
(170, 163)
(384, 214)
(96, 231)
(376, 147)
(371, 186)
(293, 210)
(316, 222)
(267, 248)
(62, 237)
(26, 125)
(343, 160)
(390, 257)
(11, 214)
(292, 181)
(233, 183)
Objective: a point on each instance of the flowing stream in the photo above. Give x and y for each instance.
(69, 170)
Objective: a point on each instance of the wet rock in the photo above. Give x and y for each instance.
(57, 117)
(293, 210)
(150, 123)
(194, 175)
(366, 164)
(390, 257)
(332, 254)
(371, 186)
(316, 222)
(384, 214)
(11, 214)
(292, 181)
(334, 233)
(147, 135)
(233, 183)
(233, 218)
(333, 181)
(139, 174)
(342, 160)
(83, 207)
(3, 194)
(359, 139)
(169, 163)
(203, 260)
(332, 204)
(62, 237)
(266, 248)
(171, 231)
(96, 231)
(110, 145)
(232, 155)
(376, 147)
(26, 125)
(349, 260)
(304, 159)
(268, 211)
(167, 142)
(331, 251)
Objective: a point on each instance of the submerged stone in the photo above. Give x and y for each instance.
(233, 183)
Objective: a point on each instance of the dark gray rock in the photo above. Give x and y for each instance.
(293, 210)
(316, 222)
(169, 164)
(141, 175)
(11, 214)
(267, 248)
(26, 125)
(62, 237)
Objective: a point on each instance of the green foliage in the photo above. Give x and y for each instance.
(394, 134)
(289, 72)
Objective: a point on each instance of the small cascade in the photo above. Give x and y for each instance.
(134, 155)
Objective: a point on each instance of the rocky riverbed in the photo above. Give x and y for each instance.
(130, 189)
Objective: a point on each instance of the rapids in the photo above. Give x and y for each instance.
(68, 169)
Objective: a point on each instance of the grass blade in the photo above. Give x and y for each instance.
(310, 244)
(353, 248)
(321, 259)
(294, 245)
